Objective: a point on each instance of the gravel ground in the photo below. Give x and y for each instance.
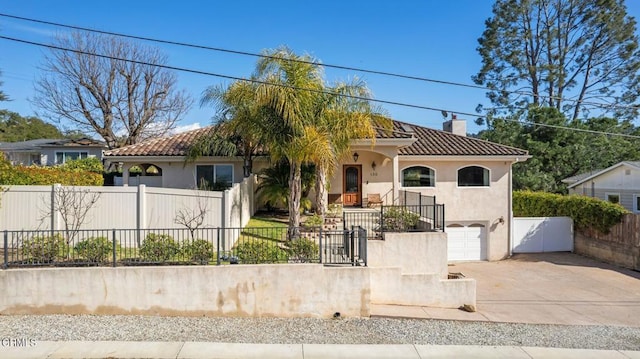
(315, 331)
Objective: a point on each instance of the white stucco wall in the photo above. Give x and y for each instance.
(404, 269)
(484, 205)
(234, 291)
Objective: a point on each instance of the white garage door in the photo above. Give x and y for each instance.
(466, 242)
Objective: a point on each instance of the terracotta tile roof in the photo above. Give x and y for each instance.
(429, 142)
(176, 145)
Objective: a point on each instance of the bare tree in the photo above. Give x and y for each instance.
(73, 204)
(193, 218)
(120, 94)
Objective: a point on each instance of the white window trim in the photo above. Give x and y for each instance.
(435, 179)
(607, 194)
(476, 187)
(635, 203)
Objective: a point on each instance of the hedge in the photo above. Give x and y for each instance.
(586, 212)
(36, 175)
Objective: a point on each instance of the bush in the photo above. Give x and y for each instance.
(91, 164)
(399, 219)
(260, 251)
(44, 249)
(36, 175)
(586, 212)
(303, 250)
(95, 249)
(313, 221)
(199, 250)
(158, 247)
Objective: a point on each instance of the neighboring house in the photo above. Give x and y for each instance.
(50, 152)
(619, 183)
(471, 177)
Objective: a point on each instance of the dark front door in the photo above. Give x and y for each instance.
(352, 185)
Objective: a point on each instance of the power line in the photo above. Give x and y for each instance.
(341, 67)
(236, 78)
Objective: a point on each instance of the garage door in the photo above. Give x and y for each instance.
(466, 242)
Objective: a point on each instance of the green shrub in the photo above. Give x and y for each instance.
(90, 164)
(399, 219)
(159, 247)
(313, 221)
(36, 175)
(94, 249)
(260, 251)
(303, 250)
(44, 249)
(199, 250)
(586, 212)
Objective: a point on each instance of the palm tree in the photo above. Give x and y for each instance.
(345, 114)
(290, 89)
(239, 123)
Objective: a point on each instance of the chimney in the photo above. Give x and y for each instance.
(455, 126)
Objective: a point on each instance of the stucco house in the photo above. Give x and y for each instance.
(471, 177)
(50, 152)
(619, 183)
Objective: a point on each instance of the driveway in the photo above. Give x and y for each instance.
(554, 288)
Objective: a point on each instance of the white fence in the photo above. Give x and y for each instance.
(140, 207)
(542, 234)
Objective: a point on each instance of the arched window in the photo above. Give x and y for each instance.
(473, 176)
(418, 176)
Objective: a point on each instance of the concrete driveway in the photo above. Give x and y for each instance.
(554, 288)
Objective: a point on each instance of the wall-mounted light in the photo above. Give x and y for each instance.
(355, 156)
(373, 165)
(501, 220)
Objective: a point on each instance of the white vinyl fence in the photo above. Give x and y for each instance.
(542, 234)
(140, 207)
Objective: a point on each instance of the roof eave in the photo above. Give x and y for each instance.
(508, 158)
(577, 183)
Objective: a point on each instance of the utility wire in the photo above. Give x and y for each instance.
(341, 67)
(297, 88)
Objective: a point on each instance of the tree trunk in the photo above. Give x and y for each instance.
(295, 188)
(248, 166)
(321, 192)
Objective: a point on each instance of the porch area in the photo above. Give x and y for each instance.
(411, 212)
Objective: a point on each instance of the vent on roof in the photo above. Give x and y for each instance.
(407, 128)
(627, 172)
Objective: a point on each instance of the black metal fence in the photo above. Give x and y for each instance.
(400, 218)
(213, 246)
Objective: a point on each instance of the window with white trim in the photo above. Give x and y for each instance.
(473, 176)
(418, 176)
(612, 197)
(214, 177)
(64, 156)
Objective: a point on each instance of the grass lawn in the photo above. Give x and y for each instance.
(265, 222)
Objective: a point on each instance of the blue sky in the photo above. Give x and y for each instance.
(427, 38)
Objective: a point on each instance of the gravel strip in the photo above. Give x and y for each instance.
(315, 331)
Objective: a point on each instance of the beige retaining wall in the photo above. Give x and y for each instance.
(296, 290)
(411, 269)
(405, 269)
